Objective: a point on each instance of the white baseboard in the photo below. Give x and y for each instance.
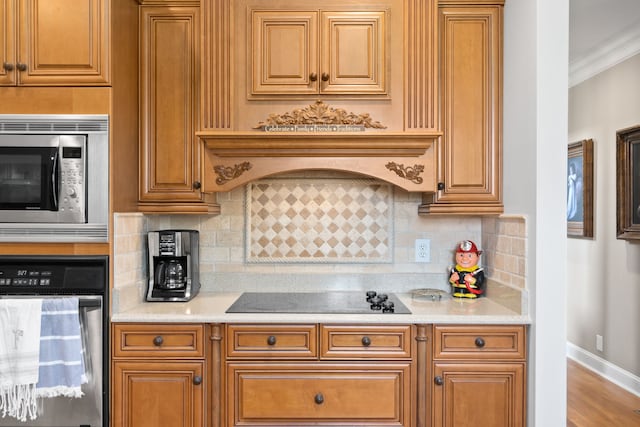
(606, 369)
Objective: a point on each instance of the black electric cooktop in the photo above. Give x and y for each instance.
(330, 302)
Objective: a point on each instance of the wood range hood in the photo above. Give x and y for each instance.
(406, 160)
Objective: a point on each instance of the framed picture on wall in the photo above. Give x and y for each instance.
(628, 183)
(580, 189)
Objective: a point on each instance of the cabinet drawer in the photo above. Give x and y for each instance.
(484, 342)
(277, 341)
(357, 342)
(301, 394)
(152, 340)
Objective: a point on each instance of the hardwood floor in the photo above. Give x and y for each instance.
(592, 401)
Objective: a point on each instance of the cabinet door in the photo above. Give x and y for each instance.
(169, 152)
(353, 53)
(7, 43)
(470, 150)
(158, 394)
(284, 52)
(479, 394)
(63, 42)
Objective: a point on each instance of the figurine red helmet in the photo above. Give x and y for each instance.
(468, 246)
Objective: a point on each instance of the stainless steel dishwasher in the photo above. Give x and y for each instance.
(58, 276)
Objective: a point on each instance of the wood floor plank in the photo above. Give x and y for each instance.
(592, 401)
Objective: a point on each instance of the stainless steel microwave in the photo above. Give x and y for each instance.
(54, 175)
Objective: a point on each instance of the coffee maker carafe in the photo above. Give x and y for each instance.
(173, 265)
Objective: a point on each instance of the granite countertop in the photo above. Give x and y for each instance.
(211, 308)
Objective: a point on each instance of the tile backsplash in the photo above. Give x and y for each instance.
(318, 221)
(233, 254)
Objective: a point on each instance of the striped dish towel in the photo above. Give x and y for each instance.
(61, 360)
(19, 347)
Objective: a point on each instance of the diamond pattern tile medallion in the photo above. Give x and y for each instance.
(319, 221)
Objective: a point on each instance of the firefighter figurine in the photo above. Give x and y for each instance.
(466, 278)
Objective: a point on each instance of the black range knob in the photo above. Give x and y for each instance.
(376, 303)
(388, 306)
(370, 295)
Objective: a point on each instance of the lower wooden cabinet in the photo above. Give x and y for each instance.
(163, 375)
(479, 376)
(158, 394)
(478, 394)
(362, 375)
(319, 394)
(158, 374)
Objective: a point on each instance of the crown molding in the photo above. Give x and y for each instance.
(605, 55)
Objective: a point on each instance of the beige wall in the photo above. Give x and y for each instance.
(604, 273)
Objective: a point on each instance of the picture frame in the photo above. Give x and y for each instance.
(628, 183)
(580, 189)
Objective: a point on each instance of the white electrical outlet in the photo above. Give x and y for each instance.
(599, 343)
(423, 250)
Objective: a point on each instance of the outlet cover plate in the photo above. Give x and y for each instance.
(423, 250)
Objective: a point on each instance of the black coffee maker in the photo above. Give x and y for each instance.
(173, 265)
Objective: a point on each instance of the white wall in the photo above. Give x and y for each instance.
(535, 132)
(604, 271)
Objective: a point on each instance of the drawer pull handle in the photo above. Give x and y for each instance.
(319, 399)
(366, 341)
(197, 380)
(438, 380)
(479, 342)
(271, 340)
(157, 341)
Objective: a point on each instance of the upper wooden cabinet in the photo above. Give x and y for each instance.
(170, 154)
(373, 58)
(311, 52)
(470, 149)
(54, 42)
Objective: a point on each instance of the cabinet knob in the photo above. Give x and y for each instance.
(157, 341)
(313, 77)
(325, 77)
(197, 185)
(438, 380)
(441, 186)
(7, 66)
(319, 398)
(21, 66)
(197, 380)
(271, 340)
(366, 341)
(479, 342)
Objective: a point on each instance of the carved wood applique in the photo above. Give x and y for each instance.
(412, 173)
(320, 113)
(229, 173)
